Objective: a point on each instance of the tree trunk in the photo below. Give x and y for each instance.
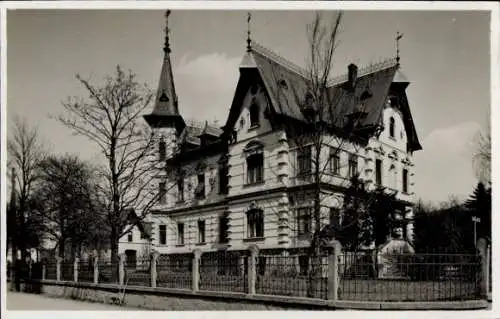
(114, 253)
(313, 289)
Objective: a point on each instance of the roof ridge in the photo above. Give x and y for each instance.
(279, 59)
(368, 69)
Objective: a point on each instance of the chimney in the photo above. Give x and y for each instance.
(352, 75)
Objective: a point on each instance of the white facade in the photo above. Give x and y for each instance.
(263, 199)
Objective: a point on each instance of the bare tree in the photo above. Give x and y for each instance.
(321, 136)
(25, 153)
(482, 156)
(111, 117)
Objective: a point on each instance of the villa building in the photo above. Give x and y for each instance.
(246, 183)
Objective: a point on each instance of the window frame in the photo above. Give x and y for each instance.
(180, 231)
(405, 180)
(378, 171)
(304, 218)
(180, 189)
(202, 231)
(162, 150)
(255, 218)
(162, 193)
(334, 161)
(200, 190)
(353, 165)
(224, 228)
(162, 229)
(304, 162)
(392, 127)
(130, 237)
(223, 178)
(254, 114)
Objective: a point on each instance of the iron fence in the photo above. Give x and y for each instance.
(138, 272)
(298, 275)
(409, 277)
(86, 270)
(224, 271)
(108, 271)
(174, 271)
(67, 270)
(51, 270)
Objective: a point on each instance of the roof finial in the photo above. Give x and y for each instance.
(398, 37)
(249, 40)
(167, 30)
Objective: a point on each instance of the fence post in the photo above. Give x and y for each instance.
(75, 269)
(196, 269)
(58, 268)
(482, 248)
(333, 271)
(30, 266)
(96, 269)
(252, 268)
(121, 269)
(154, 259)
(44, 269)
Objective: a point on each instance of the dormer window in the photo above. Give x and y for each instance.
(200, 189)
(254, 115)
(392, 127)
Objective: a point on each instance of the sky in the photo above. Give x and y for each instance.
(444, 54)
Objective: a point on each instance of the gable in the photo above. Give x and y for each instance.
(286, 87)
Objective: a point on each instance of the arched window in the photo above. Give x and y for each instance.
(254, 153)
(254, 115)
(392, 125)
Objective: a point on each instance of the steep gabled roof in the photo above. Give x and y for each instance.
(287, 85)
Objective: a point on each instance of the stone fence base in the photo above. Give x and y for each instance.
(180, 300)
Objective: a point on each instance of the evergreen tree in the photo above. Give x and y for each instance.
(479, 205)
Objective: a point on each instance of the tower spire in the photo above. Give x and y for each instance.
(398, 37)
(249, 40)
(165, 112)
(166, 48)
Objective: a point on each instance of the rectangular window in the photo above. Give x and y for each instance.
(223, 179)
(162, 150)
(335, 161)
(162, 234)
(180, 234)
(378, 171)
(255, 168)
(163, 193)
(334, 217)
(304, 220)
(180, 189)
(353, 165)
(405, 181)
(201, 231)
(304, 159)
(200, 189)
(223, 228)
(255, 223)
(130, 237)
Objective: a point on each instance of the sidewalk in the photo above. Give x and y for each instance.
(24, 301)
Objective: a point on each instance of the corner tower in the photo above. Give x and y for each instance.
(165, 120)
